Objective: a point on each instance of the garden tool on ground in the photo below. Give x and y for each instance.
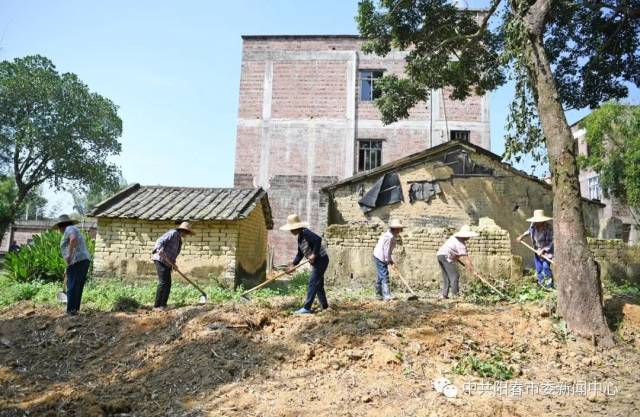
(536, 252)
(413, 295)
(61, 296)
(203, 298)
(481, 278)
(270, 280)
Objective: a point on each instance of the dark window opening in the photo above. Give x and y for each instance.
(461, 135)
(626, 231)
(369, 154)
(369, 90)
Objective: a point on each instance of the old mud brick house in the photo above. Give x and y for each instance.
(434, 192)
(230, 225)
(307, 119)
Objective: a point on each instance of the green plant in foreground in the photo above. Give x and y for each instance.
(41, 260)
(495, 366)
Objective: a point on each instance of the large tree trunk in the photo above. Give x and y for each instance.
(579, 287)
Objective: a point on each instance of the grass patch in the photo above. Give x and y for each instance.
(106, 294)
(496, 366)
(625, 288)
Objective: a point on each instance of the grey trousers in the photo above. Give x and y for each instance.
(450, 276)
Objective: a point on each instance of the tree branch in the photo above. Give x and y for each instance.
(481, 28)
(627, 11)
(536, 16)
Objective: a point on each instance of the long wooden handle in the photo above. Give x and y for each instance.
(534, 251)
(477, 275)
(270, 280)
(406, 284)
(185, 277)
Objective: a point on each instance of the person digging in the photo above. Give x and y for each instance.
(382, 258)
(76, 255)
(165, 252)
(541, 233)
(453, 250)
(310, 247)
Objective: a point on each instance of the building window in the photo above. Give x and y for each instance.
(461, 135)
(595, 192)
(369, 91)
(369, 154)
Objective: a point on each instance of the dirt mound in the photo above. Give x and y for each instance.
(364, 358)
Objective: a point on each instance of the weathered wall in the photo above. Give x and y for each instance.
(507, 198)
(351, 252)
(300, 117)
(619, 262)
(251, 254)
(123, 248)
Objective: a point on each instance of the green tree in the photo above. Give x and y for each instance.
(53, 130)
(560, 54)
(32, 206)
(613, 138)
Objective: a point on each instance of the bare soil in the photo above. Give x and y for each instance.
(363, 358)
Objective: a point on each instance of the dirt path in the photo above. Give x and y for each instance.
(364, 358)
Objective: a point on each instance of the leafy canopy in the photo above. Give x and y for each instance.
(613, 140)
(53, 129)
(592, 48)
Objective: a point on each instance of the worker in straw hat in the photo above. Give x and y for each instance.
(541, 233)
(453, 250)
(76, 255)
(310, 247)
(165, 252)
(382, 258)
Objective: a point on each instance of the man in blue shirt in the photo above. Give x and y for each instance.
(541, 233)
(76, 255)
(165, 252)
(310, 247)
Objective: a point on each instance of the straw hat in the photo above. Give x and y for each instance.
(186, 226)
(64, 220)
(395, 224)
(293, 223)
(538, 216)
(465, 232)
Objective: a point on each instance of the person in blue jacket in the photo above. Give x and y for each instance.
(310, 247)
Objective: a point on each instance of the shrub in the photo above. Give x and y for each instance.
(41, 260)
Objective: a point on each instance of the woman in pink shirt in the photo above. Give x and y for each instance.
(382, 257)
(454, 249)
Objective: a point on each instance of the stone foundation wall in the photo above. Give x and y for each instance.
(351, 252)
(619, 262)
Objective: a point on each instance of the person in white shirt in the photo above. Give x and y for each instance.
(382, 257)
(454, 249)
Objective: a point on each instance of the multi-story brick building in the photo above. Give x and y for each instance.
(307, 119)
(616, 220)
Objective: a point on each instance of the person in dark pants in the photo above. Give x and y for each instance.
(310, 247)
(165, 252)
(76, 255)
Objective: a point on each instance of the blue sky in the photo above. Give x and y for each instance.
(173, 67)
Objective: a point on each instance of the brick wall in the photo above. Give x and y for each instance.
(123, 248)
(300, 117)
(351, 247)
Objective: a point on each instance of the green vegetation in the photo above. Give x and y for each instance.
(480, 293)
(108, 294)
(496, 366)
(625, 288)
(40, 260)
